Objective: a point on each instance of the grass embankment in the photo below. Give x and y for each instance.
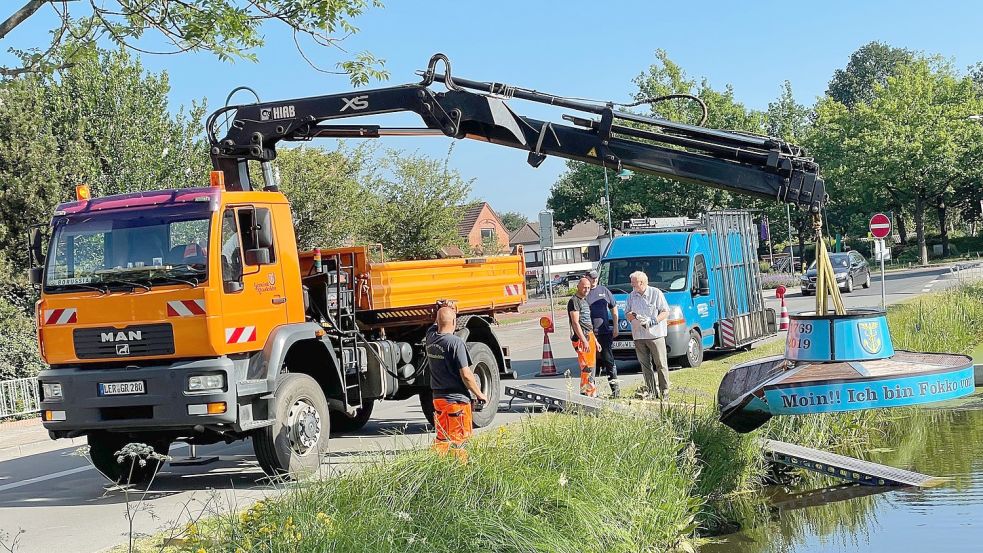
(569, 483)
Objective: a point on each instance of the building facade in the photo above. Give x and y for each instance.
(480, 224)
(574, 252)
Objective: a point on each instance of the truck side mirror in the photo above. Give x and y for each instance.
(263, 227)
(703, 287)
(35, 275)
(259, 256)
(35, 244)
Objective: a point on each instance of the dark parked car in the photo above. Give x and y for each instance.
(851, 270)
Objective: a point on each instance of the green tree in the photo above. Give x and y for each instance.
(331, 193)
(577, 194)
(868, 67)
(907, 143)
(19, 357)
(229, 29)
(513, 220)
(104, 122)
(418, 203)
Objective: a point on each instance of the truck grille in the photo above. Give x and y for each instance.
(120, 343)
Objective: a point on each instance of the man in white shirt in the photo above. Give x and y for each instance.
(647, 311)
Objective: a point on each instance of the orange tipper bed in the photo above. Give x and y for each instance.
(477, 284)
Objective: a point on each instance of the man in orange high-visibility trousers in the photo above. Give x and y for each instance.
(453, 385)
(582, 335)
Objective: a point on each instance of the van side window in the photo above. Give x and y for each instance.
(231, 249)
(699, 271)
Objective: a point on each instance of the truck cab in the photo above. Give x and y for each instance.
(713, 305)
(190, 315)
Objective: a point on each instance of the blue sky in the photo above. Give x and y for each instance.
(579, 48)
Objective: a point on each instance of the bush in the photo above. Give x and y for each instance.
(18, 344)
(764, 266)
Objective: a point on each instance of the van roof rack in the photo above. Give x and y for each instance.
(661, 224)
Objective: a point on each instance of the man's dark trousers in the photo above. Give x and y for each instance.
(605, 362)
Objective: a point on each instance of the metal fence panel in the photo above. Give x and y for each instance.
(18, 397)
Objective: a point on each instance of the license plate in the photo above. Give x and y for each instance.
(121, 388)
(623, 345)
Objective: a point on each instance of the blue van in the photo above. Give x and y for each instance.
(708, 270)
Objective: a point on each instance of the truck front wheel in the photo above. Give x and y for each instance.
(103, 448)
(293, 445)
(694, 351)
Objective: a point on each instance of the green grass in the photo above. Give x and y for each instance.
(558, 483)
(561, 482)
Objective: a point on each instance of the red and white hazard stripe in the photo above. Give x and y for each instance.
(240, 335)
(512, 290)
(63, 316)
(727, 337)
(185, 308)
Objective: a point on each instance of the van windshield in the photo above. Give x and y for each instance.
(121, 247)
(667, 273)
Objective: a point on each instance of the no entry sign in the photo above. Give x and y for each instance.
(880, 225)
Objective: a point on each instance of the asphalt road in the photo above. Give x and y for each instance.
(62, 504)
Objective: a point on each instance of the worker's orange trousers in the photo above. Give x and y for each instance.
(454, 427)
(587, 359)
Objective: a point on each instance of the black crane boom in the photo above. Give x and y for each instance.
(742, 163)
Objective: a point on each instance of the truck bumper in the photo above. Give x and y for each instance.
(166, 404)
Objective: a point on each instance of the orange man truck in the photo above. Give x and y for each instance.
(189, 315)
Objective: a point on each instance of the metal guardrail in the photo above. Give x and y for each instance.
(19, 397)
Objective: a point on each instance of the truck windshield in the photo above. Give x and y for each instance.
(129, 247)
(667, 273)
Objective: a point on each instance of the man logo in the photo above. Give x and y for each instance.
(130, 336)
(122, 349)
(355, 103)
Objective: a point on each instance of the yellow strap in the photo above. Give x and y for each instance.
(826, 287)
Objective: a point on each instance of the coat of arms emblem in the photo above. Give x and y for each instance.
(870, 336)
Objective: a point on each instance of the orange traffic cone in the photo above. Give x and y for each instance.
(548, 367)
(783, 317)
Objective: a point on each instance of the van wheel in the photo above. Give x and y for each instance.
(341, 422)
(102, 450)
(694, 351)
(293, 445)
(485, 368)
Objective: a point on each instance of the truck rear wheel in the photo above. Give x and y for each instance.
(340, 422)
(485, 368)
(293, 445)
(694, 351)
(102, 450)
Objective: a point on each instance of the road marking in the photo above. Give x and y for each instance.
(44, 478)
(59, 474)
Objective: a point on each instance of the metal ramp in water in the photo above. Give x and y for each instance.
(843, 467)
(815, 460)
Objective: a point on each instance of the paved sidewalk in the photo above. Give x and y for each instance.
(26, 437)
